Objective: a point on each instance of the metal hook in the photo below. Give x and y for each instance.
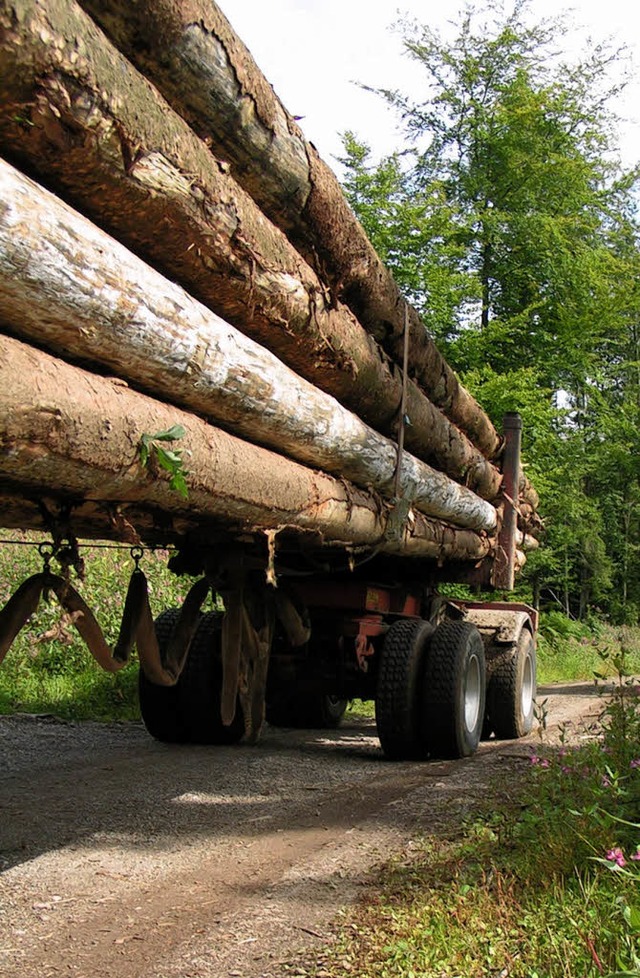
(46, 551)
(137, 553)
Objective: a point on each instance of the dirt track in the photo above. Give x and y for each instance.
(122, 856)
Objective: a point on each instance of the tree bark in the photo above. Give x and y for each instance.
(73, 110)
(72, 438)
(69, 286)
(192, 54)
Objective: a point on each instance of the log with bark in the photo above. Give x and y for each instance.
(67, 285)
(192, 54)
(70, 439)
(76, 112)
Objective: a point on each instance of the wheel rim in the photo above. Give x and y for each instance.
(472, 693)
(528, 692)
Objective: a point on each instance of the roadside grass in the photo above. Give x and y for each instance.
(569, 651)
(48, 669)
(459, 908)
(541, 880)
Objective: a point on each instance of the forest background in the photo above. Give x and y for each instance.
(510, 222)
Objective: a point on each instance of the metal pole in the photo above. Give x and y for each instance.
(504, 569)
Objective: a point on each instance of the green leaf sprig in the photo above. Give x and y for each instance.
(154, 454)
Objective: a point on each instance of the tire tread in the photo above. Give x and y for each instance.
(397, 706)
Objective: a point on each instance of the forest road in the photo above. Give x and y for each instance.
(121, 856)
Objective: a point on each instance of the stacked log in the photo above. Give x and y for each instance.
(276, 323)
(207, 74)
(66, 284)
(77, 431)
(102, 136)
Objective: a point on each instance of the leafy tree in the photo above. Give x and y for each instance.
(511, 224)
(410, 222)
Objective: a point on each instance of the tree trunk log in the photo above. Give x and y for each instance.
(69, 286)
(73, 110)
(192, 54)
(73, 437)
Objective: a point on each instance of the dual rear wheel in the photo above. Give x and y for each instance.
(433, 698)
(511, 690)
(431, 690)
(189, 712)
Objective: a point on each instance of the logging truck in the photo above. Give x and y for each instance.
(200, 349)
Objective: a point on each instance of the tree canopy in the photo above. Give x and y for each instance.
(510, 223)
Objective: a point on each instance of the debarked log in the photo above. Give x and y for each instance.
(72, 436)
(192, 54)
(67, 285)
(76, 112)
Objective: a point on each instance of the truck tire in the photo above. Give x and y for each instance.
(512, 689)
(454, 689)
(315, 711)
(327, 711)
(189, 712)
(160, 705)
(399, 687)
(201, 685)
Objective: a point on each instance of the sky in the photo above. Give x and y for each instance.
(315, 51)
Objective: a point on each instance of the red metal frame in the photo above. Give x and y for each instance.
(357, 596)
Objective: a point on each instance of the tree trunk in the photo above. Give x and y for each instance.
(69, 286)
(485, 275)
(72, 438)
(73, 110)
(192, 54)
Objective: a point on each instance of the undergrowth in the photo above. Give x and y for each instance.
(569, 651)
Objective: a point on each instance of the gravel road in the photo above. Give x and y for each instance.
(123, 856)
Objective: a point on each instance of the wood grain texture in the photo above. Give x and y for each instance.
(70, 437)
(192, 54)
(68, 285)
(75, 112)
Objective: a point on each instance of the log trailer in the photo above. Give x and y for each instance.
(200, 349)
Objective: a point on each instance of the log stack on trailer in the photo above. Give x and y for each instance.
(175, 258)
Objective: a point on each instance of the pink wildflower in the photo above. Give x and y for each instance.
(635, 762)
(544, 762)
(606, 783)
(535, 759)
(616, 856)
(635, 855)
(566, 769)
